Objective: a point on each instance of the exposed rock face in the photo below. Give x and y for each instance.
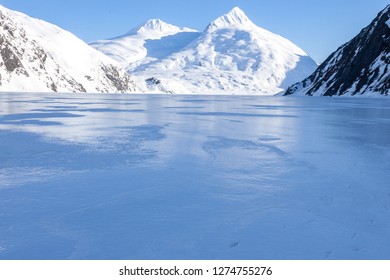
(360, 66)
(38, 56)
(119, 79)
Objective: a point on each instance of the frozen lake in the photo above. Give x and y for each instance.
(193, 177)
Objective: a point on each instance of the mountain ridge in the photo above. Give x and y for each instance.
(34, 58)
(131, 49)
(231, 55)
(159, 26)
(358, 67)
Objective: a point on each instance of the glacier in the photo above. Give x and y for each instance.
(193, 177)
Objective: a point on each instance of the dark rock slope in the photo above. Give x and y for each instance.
(359, 67)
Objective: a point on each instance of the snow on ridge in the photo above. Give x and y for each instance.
(42, 62)
(335, 76)
(233, 18)
(157, 26)
(385, 10)
(231, 55)
(147, 42)
(50, 35)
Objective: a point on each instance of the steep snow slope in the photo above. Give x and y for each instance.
(232, 55)
(38, 56)
(359, 67)
(152, 40)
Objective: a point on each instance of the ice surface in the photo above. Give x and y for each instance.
(189, 177)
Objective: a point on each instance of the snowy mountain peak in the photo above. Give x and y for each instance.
(236, 17)
(232, 55)
(157, 26)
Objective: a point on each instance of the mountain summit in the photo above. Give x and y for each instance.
(236, 17)
(157, 27)
(358, 67)
(232, 55)
(149, 41)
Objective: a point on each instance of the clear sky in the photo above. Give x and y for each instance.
(318, 27)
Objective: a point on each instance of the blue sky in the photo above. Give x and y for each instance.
(319, 27)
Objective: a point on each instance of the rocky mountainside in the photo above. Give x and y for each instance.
(41, 57)
(232, 55)
(359, 67)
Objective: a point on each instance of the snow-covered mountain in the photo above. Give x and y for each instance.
(145, 43)
(38, 56)
(359, 67)
(232, 55)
